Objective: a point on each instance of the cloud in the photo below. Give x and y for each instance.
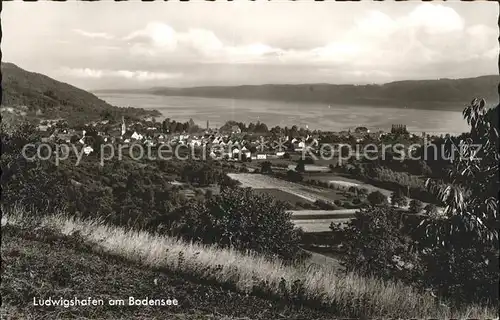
(425, 34)
(82, 72)
(434, 18)
(127, 74)
(94, 35)
(160, 36)
(377, 43)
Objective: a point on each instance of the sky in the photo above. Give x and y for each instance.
(109, 45)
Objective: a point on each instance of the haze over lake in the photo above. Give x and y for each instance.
(335, 117)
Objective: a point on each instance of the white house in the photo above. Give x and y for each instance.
(136, 136)
(299, 146)
(87, 150)
(195, 143)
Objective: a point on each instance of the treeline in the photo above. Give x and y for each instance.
(172, 126)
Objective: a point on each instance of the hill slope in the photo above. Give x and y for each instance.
(55, 99)
(33, 269)
(424, 94)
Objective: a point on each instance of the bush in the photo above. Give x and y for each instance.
(349, 205)
(374, 245)
(430, 209)
(377, 198)
(300, 166)
(398, 198)
(294, 176)
(356, 201)
(265, 167)
(241, 219)
(308, 160)
(325, 205)
(415, 206)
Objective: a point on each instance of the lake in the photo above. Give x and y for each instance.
(335, 117)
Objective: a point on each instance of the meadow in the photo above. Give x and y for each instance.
(261, 181)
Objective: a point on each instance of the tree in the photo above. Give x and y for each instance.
(294, 176)
(243, 220)
(398, 198)
(266, 167)
(165, 125)
(362, 192)
(377, 198)
(74, 139)
(106, 115)
(301, 167)
(225, 182)
(374, 245)
(471, 199)
(415, 206)
(431, 209)
(466, 234)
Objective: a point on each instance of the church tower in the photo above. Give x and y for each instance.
(124, 128)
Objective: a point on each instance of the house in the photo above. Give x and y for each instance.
(246, 152)
(87, 150)
(136, 136)
(235, 129)
(299, 145)
(195, 143)
(44, 127)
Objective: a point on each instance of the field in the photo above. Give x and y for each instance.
(344, 182)
(317, 225)
(308, 220)
(260, 181)
(323, 214)
(311, 168)
(282, 195)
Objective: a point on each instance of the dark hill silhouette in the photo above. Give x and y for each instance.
(423, 94)
(56, 99)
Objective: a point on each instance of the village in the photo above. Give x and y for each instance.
(229, 142)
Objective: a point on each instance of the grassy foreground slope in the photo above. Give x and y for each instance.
(59, 256)
(42, 264)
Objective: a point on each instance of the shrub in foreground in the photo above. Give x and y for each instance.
(241, 219)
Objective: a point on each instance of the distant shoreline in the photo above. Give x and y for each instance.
(442, 94)
(418, 105)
